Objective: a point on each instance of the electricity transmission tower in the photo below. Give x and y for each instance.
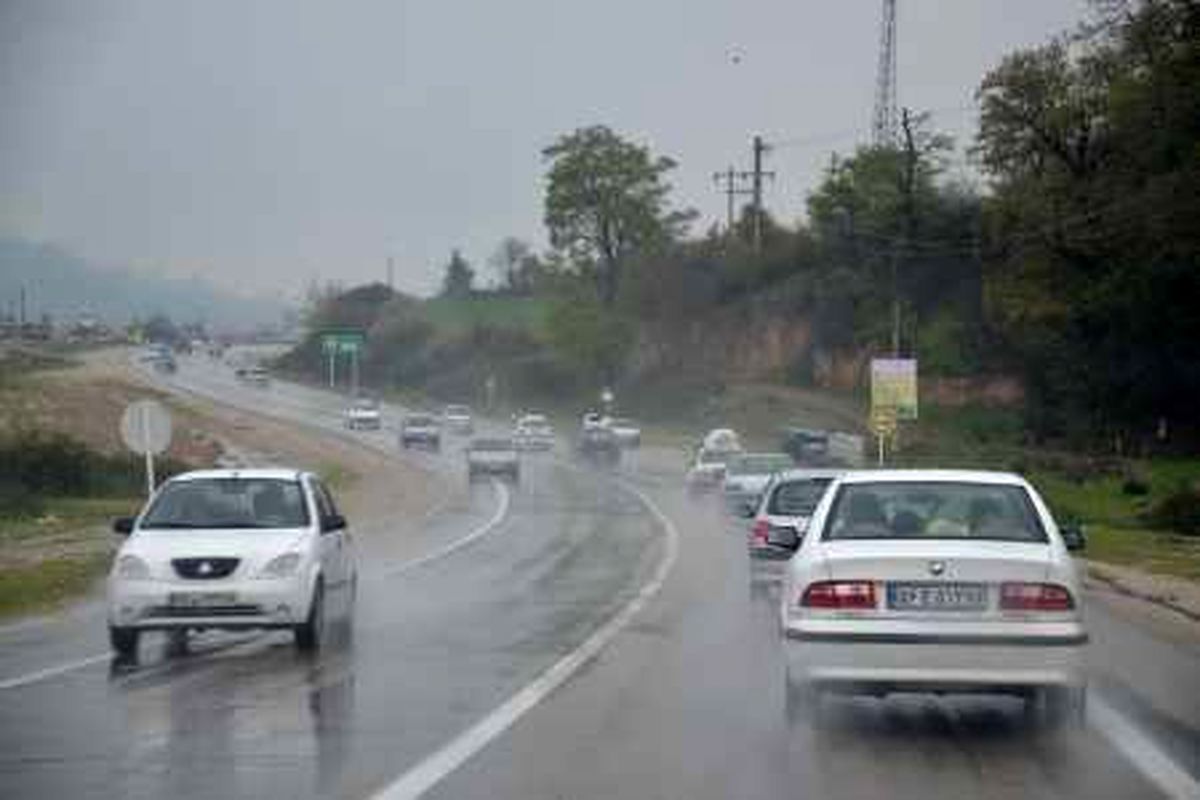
(883, 119)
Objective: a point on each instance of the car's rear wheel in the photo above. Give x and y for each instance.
(124, 641)
(1061, 707)
(802, 702)
(311, 632)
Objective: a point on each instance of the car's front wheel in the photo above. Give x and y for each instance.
(310, 633)
(124, 641)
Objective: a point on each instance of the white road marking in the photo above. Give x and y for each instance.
(52, 672)
(1169, 777)
(441, 763)
(501, 512)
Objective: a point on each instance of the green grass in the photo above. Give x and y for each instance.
(1150, 551)
(43, 585)
(64, 514)
(518, 313)
(337, 477)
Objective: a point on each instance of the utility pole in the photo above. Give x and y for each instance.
(908, 177)
(760, 147)
(728, 181)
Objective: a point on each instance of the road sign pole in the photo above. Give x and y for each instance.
(879, 438)
(149, 454)
(332, 367)
(354, 372)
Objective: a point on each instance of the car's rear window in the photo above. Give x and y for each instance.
(228, 503)
(933, 510)
(457, 411)
(797, 498)
(416, 421)
(491, 444)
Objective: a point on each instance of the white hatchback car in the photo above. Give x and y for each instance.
(232, 549)
(935, 581)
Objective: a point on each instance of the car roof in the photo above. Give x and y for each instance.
(933, 476)
(809, 474)
(268, 473)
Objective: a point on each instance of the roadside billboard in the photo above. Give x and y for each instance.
(894, 386)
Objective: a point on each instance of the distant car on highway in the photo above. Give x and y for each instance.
(722, 440)
(420, 430)
(165, 364)
(363, 414)
(921, 580)
(780, 520)
(232, 549)
(628, 433)
(598, 445)
(533, 432)
(806, 446)
(707, 470)
(457, 419)
(493, 457)
(254, 376)
(747, 475)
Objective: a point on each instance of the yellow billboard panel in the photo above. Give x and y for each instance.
(894, 386)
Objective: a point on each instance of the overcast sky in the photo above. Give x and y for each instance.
(267, 144)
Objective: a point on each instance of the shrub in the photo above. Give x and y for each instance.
(1179, 511)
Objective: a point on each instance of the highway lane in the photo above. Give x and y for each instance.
(688, 703)
(685, 702)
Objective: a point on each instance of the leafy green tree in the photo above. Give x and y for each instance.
(459, 277)
(606, 200)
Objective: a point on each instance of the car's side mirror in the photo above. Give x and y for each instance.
(123, 525)
(1073, 535)
(333, 522)
(785, 537)
(747, 510)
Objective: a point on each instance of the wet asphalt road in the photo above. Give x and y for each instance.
(685, 702)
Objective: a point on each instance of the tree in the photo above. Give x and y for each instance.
(459, 277)
(606, 199)
(508, 262)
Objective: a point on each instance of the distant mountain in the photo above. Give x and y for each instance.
(66, 287)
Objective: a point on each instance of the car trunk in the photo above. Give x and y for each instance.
(935, 578)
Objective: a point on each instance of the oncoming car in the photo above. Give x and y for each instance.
(493, 457)
(420, 430)
(232, 549)
(364, 415)
(934, 581)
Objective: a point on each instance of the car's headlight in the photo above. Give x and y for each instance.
(283, 566)
(131, 568)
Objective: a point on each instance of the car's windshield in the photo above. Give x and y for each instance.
(228, 503)
(457, 411)
(419, 421)
(765, 464)
(797, 498)
(933, 510)
(491, 444)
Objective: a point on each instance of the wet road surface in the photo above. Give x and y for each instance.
(685, 702)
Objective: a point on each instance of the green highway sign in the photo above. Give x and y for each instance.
(342, 342)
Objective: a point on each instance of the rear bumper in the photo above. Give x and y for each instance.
(896, 660)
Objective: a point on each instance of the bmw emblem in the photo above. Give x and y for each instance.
(205, 568)
(936, 568)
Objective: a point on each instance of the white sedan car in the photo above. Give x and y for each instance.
(232, 549)
(934, 581)
(364, 415)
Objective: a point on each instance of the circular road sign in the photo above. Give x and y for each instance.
(146, 427)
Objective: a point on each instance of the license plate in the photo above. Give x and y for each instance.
(201, 599)
(934, 596)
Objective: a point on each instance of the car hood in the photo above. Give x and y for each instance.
(245, 543)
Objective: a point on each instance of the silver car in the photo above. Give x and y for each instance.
(747, 476)
(934, 581)
(781, 519)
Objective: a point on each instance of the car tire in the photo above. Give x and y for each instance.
(802, 703)
(1063, 708)
(124, 641)
(310, 633)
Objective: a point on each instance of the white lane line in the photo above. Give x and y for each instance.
(52, 672)
(497, 517)
(1172, 780)
(441, 763)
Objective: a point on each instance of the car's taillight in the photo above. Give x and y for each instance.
(1035, 597)
(839, 594)
(760, 533)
